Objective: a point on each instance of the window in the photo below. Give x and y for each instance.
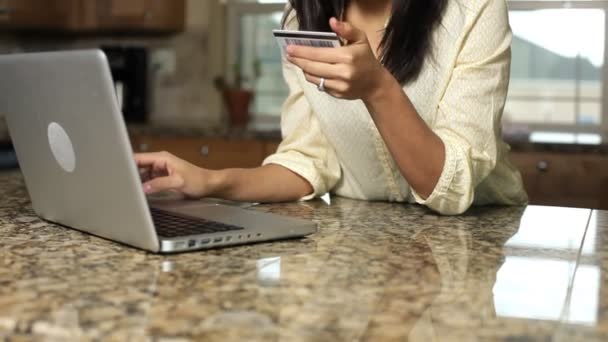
(557, 70)
(250, 24)
(558, 76)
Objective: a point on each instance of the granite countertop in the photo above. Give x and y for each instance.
(373, 272)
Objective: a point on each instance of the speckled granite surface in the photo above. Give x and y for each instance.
(373, 272)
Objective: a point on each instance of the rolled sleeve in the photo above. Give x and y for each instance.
(470, 111)
(304, 150)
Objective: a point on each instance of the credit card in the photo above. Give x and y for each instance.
(306, 38)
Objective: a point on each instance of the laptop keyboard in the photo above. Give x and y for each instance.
(173, 225)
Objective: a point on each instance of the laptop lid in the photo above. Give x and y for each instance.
(72, 144)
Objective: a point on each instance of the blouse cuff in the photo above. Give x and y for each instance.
(437, 199)
(299, 166)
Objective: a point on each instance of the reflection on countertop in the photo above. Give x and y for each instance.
(374, 271)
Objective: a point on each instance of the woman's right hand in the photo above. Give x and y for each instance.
(162, 171)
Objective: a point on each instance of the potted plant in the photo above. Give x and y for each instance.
(237, 98)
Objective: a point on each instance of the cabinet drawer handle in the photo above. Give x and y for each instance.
(143, 147)
(542, 166)
(5, 11)
(205, 151)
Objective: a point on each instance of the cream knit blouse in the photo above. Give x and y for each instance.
(460, 93)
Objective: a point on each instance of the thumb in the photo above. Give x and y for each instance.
(172, 182)
(347, 31)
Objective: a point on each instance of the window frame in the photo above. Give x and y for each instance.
(236, 9)
(531, 5)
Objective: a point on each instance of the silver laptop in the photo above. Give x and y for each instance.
(77, 161)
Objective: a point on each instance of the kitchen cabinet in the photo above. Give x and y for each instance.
(35, 14)
(270, 147)
(132, 15)
(93, 16)
(211, 153)
(564, 179)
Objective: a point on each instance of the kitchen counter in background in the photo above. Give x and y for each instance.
(374, 271)
(558, 142)
(528, 142)
(562, 170)
(165, 131)
(208, 148)
(519, 142)
(177, 131)
(557, 169)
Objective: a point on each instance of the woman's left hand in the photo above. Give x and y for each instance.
(350, 72)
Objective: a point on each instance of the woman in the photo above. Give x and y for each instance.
(408, 110)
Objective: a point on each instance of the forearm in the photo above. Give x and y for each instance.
(417, 150)
(269, 183)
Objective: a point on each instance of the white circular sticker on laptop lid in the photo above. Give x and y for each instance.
(62, 147)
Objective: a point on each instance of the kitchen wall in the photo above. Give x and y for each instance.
(185, 97)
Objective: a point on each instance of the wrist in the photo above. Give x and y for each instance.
(384, 83)
(214, 182)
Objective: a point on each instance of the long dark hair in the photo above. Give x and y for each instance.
(407, 38)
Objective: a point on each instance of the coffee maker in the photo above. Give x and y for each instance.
(129, 67)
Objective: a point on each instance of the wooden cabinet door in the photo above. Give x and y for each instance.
(270, 147)
(576, 180)
(93, 15)
(119, 12)
(209, 153)
(35, 14)
(222, 153)
(5, 12)
(165, 15)
(133, 15)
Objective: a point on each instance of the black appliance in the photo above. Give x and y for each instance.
(8, 158)
(129, 67)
